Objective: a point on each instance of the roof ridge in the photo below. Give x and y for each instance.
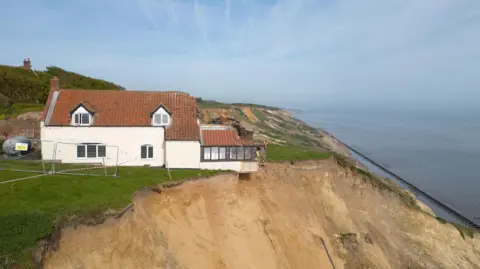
(128, 91)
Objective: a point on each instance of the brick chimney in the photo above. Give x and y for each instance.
(27, 65)
(54, 84)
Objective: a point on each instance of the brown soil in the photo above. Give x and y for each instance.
(249, 113)
(275, 218)
(13, 127)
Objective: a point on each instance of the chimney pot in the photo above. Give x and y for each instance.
(54, 84)
(26, 64)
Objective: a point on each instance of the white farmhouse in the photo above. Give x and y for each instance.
(137, 128)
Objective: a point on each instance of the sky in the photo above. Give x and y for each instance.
(292, 53)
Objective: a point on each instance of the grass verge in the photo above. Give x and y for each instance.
(31, 208)
(288, 153)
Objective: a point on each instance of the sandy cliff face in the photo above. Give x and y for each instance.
(276, 219)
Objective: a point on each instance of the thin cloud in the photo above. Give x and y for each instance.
(170, 6)
(144, 7)
(200, 21)
(227, 14)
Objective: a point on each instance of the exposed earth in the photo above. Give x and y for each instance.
(276, 218)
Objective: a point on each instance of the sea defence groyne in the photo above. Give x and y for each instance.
(418, 192)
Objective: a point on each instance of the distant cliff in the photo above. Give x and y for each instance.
(276, 125)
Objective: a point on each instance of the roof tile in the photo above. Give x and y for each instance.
(223, 137)
(130, 108)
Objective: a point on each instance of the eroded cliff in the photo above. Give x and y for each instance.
(276, 218)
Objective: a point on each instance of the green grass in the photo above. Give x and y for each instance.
(20, 108)
(212, 104)
(464, 231)
(30, 209)
(288, 153)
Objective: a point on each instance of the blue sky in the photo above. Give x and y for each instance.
(298, 53)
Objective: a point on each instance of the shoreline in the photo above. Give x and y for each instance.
(437, 206)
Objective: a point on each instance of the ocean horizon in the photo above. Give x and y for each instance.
(434, 149)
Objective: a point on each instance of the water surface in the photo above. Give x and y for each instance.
(436, 150)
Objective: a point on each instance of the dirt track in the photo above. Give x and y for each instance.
(276, 219)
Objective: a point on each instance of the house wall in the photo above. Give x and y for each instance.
(239, 166)
(128, 139)
(183, 154)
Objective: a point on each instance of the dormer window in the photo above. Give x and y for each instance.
(161, 116)
(82, 116)
(160, 119)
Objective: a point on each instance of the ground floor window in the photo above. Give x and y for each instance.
(228, 153)
(91, 151)
(146, 152)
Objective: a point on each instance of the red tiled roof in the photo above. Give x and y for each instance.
(223, 138)
(129, 108)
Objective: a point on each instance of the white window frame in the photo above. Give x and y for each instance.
(162, 116)
(207, 153)
(80, 115)
(222, 153)
(85, 145)
(232, 154)
(148, 156)
(215, 153)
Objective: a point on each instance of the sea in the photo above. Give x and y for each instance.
(437, 150)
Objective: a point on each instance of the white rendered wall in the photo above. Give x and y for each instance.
(128, 139)
(246, 166)
(183, 154)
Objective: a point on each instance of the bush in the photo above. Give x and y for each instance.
(20, 85)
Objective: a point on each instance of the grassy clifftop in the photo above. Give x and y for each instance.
(18, 85)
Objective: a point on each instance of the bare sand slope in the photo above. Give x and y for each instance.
(276, 219)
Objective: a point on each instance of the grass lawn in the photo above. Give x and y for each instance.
(30, 208)
(288, 153)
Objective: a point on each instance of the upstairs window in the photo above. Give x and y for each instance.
(161, 119)
(146, 152)
(82, 119)
(161, 116)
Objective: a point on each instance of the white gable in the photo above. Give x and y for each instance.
(161, 110)
(80, 109)
(161, 117)
(80, 118)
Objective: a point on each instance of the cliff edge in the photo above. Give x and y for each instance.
(279, 217)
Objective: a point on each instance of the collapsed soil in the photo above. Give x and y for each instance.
(278, 217)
